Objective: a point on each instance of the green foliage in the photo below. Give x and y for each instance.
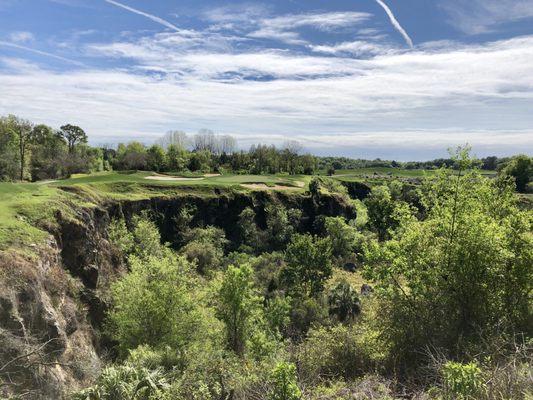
(279, 229)
(237, 306)
(205, 248)
(284, 383)
(132, 156)
(73, 135)
(176, 158)
(251, 236)
(155, 158)
(345, 238)
(126, 382)
(143, 241)
(342, 351)
(121, 237)
(308, 264)
(153, 304)
(463, 270)
(305, 313)
(462, 381)
(521, 169)
(383, 211)
(343, 301)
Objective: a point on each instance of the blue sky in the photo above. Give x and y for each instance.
(403, 79)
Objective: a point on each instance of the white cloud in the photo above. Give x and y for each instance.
(282, 28)
(21, 37)
(483, 16)
(260, 24)
(356, 48)
(478, 93)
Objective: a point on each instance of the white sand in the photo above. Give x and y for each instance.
(171, 178)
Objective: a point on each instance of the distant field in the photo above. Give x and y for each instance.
(377, 172)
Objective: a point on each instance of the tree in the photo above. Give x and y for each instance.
(284, 385)
(132, 156)
(48, 154)
(176, 138)
(153, 304)
(382, 211)
(238, 303)
(177, 158)
(156, 158)
(9, 154)
(521, 169)
(308, 264)
(73, 135)
(22, 132)
(460, 272)
(344, 238)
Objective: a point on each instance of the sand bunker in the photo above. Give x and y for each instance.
(211, 175)
(263, 186)
(171, 178)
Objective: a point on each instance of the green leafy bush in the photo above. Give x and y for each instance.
(462, 381)
(284, 383)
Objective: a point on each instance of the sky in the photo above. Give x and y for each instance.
(401, 79)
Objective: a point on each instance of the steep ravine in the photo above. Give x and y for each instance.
(53, 298)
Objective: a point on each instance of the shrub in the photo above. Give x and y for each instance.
(308, 264)
(153, 305)
(462, 381)
(284, 386)
(343, 301)
(463, 270)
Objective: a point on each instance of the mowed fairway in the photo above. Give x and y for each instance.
(150, 178)
(25, 206)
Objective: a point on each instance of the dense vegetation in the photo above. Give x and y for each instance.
(38, 152)
(425, 299)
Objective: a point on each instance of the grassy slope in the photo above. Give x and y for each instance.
(24, 207)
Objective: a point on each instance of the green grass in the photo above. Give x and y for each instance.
(378, 174)
(26, 209)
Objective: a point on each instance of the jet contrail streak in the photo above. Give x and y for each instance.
(395, 22)
(42, 53)
(154, 18)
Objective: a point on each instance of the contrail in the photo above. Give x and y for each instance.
(395, 23)
(154, 18)
(42, 53)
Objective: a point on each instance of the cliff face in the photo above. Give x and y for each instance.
(53, 299)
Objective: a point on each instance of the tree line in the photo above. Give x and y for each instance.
(38, 152)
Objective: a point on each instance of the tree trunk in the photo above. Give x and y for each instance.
(22, 151)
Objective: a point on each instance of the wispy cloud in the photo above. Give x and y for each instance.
(152, 17)
(483, 16)
(460, 90)
(283, 28)
(395, 23)
(356, 48)
(21, 37)
(40, 52)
